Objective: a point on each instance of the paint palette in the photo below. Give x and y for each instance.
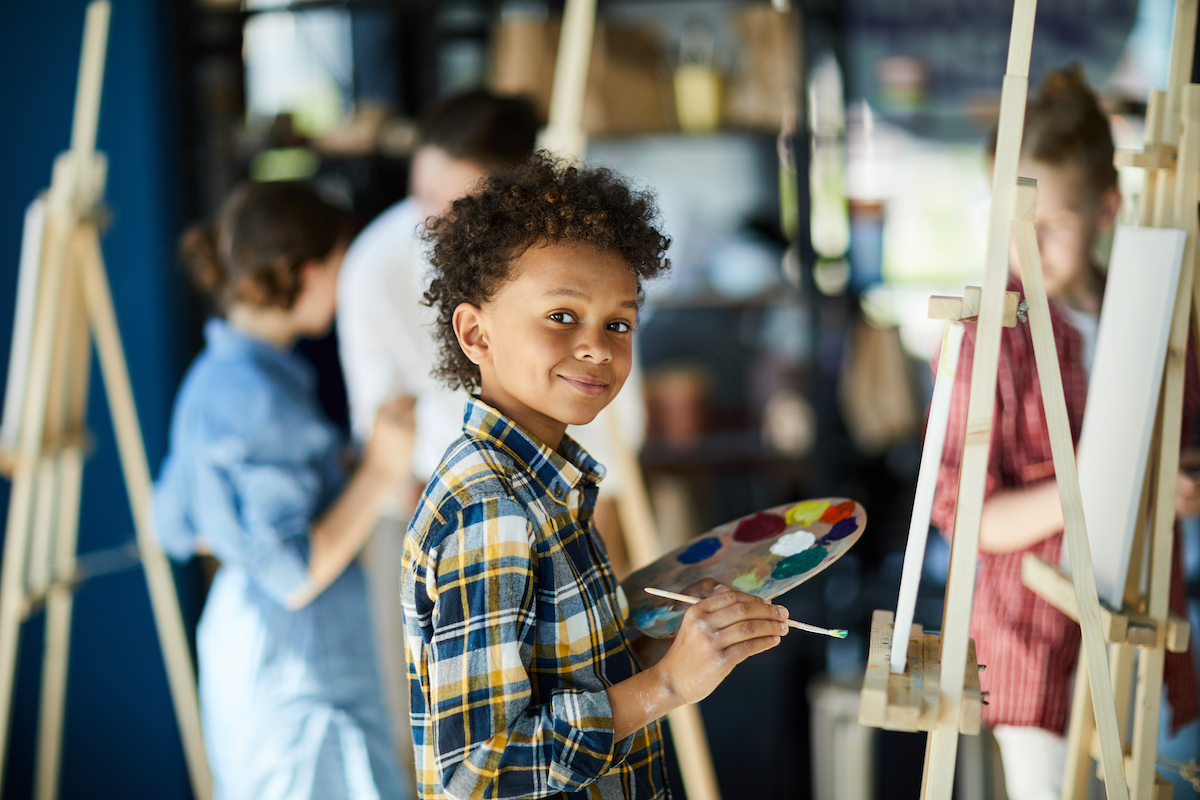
(763, 554)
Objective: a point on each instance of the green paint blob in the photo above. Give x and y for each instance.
(748, 583)
(798, 564)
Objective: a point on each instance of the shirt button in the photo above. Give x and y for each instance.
(558, 492)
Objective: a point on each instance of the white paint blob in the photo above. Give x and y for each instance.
(793, 543)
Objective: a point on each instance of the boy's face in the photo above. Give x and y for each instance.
(554, 345)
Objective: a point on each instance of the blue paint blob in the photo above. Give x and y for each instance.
(648, 617)
(700, 551)
(798, 564)
(840, 530)
(658, 622)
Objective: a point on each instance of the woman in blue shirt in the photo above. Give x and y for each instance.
(289, 692)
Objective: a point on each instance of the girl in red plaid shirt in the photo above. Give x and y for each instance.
(1029, 647)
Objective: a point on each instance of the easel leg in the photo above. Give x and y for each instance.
(1156, 106)
(1075, 533)
(25, 473)
(633, 504)
(72, 395)
(164, 599)
(12, 586)
(1079, 735)
(1121, 663)
(1145, 721)
(695, 757)
(930, 747)
(49, 468)
(44, 506)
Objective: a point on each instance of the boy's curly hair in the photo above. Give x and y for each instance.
(540, 202)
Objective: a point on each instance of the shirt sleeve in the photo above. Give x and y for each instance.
(367, 332)
(168, 507)
(490, 739)
(256, 512)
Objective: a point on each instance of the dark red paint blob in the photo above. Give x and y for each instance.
(761, 526)
(839, 512)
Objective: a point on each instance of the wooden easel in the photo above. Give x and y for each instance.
(948, 660)
(565, 136)
(47, 466)
(1144, 626)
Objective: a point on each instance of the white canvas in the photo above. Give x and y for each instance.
(931, 462)
(1126, 378)
(22, 339)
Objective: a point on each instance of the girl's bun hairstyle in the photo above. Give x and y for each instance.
(260, 241)
(1065, 126)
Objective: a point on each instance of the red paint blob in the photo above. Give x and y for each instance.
(839, 512)
(761, 526)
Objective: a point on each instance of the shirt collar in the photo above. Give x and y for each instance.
(223, 338)
(558, 471)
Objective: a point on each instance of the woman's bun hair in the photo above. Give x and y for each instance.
(198, 250)
(263, 236)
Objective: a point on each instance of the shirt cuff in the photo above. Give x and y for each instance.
(585, 720)
(282, 568)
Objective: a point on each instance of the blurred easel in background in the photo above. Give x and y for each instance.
(63, 289)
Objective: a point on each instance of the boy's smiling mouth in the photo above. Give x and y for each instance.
(592, 387)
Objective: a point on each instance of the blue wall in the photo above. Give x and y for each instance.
(121, 739)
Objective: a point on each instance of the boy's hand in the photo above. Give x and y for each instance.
(717, 634)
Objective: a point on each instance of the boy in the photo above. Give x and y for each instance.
(386, 348)
(524, 679)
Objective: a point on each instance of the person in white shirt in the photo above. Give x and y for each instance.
(387, 350)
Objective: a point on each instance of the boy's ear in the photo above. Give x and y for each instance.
(468, 327)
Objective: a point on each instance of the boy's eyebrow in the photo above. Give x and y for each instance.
(567, 291)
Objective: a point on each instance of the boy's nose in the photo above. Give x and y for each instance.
(593, 346)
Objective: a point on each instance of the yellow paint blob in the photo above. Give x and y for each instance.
(749, 582)
(806, 513)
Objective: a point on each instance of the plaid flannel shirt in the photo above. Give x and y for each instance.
(1029, 647)
(514, 627)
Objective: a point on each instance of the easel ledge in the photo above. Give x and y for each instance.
(908, 701)
(1127, 626)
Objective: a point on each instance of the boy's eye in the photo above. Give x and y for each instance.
(563, 316)
(620, 327)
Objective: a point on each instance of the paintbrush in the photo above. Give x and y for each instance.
(800, 626)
